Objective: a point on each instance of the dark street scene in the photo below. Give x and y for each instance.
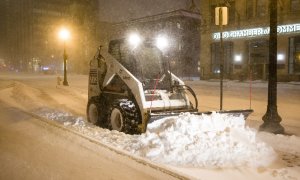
(150, 89)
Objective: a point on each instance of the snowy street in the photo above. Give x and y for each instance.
(33, 149)
(131, 89)
(44, 135)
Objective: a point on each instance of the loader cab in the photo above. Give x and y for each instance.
(131, 82)
(146, 62)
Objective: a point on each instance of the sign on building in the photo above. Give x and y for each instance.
(221, 15)
(258, 31)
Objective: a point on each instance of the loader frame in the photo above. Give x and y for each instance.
(109, 79)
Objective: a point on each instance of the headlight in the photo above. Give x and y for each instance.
(162, 42)
(134, 40)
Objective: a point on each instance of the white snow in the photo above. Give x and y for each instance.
(215, 140)
(189, 143)
(188, 140)
(290, 144)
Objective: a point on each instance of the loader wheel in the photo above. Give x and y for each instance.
(116, 119)
(93, 112)
(96, 113)
(124, 117)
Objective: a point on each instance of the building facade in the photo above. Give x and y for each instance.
(29, 32)
(246, 40)
(181, 27)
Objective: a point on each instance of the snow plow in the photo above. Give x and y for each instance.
(131, 85)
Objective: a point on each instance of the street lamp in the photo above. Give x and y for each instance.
(64, 35)
(271, 118)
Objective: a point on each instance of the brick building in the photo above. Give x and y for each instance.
(246, 39)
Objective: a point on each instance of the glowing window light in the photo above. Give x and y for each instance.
(280, 57)
(238, 58)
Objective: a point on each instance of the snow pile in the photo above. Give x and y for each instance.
(79, 124)
(282, 143)
(187, 140)
(59, 116)
(217, 140)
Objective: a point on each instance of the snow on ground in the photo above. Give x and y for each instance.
(203, 141)
(188, 142)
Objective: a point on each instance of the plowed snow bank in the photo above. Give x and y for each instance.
(217, 140)
(187, 140)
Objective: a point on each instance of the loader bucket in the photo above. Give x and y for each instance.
(157, 116)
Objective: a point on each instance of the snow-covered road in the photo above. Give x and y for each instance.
(229, 159)
(31, 148)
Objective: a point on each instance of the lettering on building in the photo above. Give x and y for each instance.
(254, 32)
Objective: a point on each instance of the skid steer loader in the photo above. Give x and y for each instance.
(131, 84)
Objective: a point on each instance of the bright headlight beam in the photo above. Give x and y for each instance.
(134, 40)
(162, 42)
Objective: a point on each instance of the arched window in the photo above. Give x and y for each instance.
(295, 5)
(261, 8)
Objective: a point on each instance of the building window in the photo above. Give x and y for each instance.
(280, 66)
(179, 26)
(212, 13)
(261, 8)
(216, 57)
(238, 66)
(249, 8)
(231, 13)
(258, 58)
(179, 46)
(294, 55)
(295, 5)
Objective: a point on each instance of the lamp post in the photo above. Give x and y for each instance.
(64, 35)
(271, 118)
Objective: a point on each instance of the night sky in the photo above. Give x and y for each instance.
(121, 10)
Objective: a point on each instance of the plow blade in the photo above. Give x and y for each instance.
(157, 115)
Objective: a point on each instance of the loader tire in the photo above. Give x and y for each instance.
(96, 113)
(123, 117)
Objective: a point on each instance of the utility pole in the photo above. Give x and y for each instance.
(271, 118)
(221, 19)
(221, 59)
